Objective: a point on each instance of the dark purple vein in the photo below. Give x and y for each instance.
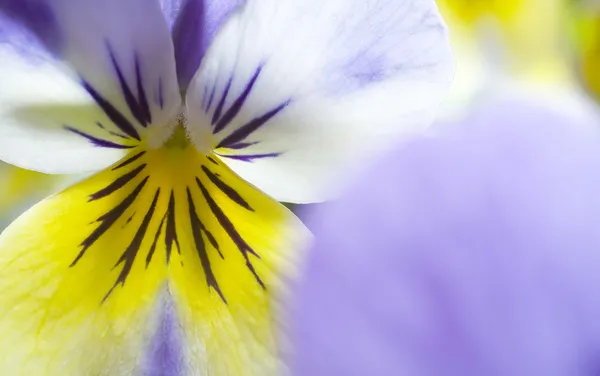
(97, 141)
(237, 105)
(247, 129)
(229, 227)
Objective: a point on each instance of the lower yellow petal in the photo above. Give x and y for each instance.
(85, 274)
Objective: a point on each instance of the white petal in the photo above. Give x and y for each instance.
(322, 85)
(81, 81)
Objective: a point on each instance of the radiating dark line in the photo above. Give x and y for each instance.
(204, 97)
(242, 145)
(237, 104)
(143, 101)
(99, 124)
(246, 130)
(228, 226)
(212, 160)
(155, 241)
(129, 220)
(130, 160)
(132, 102)
(212, 96)
(212, 240)
(113, 114)
(128, 257)
(171, 231)
(229, 192)
(97, 141)
(161, 99)
(138, 106)
(251, 157)
(109, 219)
(117, 184)
(113, 133)
(211, 280)
(221, 103)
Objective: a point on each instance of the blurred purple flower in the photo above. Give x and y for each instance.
(472, 252)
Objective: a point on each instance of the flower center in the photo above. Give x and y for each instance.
(161, 135)
(176, 135)
(178, 140)
(173, 206)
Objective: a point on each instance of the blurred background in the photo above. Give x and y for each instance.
(549, 48)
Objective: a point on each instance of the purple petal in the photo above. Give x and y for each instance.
(29, 28)
(164, 356)
(473, 252)
(194, 24)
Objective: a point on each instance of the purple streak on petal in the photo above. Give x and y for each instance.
(472, 252)
(242, 145)
(98, 141)
(120, 135)
(221, 104)
(204, 97)
(161, 95)
(29, 27)
(196, 23)
(141, 93)
(188, 38)
(164, 356)
(382, 53)
(366, 68)
(210, 99)
(252, 126)
(111, 112)
(138, 106)
(250, 157)
(237, 104)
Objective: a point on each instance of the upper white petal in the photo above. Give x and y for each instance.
(337, 80)
(45, 64)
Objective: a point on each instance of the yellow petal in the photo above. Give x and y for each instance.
(84, 273)
(18, 185)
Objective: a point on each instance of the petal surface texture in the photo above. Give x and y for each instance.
(166, 263)
(472, 252)
(82, 81)
(194, 24)
(291, 92)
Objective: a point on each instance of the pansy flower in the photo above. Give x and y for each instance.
(199, 116)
